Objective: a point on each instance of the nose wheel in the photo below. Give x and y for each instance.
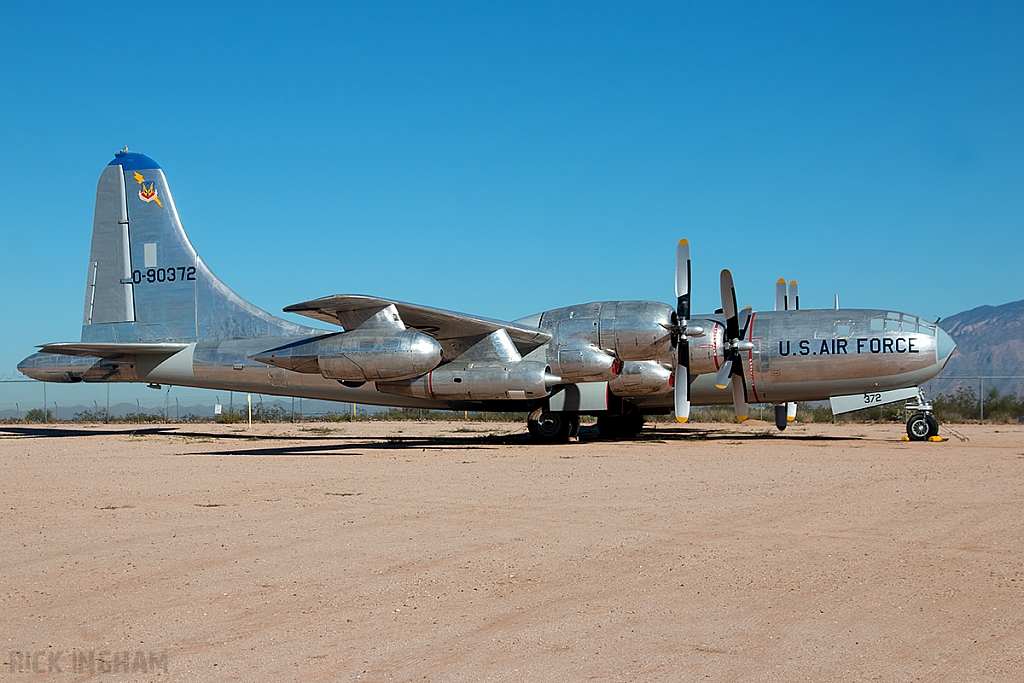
(922, 426)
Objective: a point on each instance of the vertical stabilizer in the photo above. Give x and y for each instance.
(108, 293)
(146, 283)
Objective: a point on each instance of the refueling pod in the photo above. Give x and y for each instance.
(360, 355)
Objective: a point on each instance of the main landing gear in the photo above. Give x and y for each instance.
(552, 427)
(921, 426)
(558, 427)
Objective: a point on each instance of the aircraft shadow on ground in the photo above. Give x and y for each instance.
(340, 444)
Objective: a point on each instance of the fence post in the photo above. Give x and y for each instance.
(981, 401)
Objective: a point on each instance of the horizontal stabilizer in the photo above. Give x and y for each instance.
(112, 350)
(438, 323)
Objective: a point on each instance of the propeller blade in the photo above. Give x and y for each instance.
(682, 393)
(780, 295)
(722, 378)
(794, 296)
(749, 315)
(683, 270)
(790, 411)
(739, 397)
(732, 328)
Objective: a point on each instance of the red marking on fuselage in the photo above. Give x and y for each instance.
(714, 345)
(750, 355)
(430, 383)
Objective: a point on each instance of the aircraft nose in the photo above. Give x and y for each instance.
(944, 346)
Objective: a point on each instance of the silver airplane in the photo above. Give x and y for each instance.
(155, 313)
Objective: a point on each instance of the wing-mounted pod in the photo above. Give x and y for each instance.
(583, 363)
(360, 355)
(642, 378)
(522, 380)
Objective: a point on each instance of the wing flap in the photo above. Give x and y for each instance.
(438, 323)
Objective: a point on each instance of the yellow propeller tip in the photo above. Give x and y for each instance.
(790, 419)
(682, 419)
(792, 282)
(721, 386)
(782, 280)
(684, 241)
(741, 418)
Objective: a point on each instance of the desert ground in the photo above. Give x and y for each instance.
(460, 551)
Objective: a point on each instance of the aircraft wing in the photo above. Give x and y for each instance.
(112, 349)
(438, 323)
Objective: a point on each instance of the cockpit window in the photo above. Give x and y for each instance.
(892, 325)
(876, 324)
(844, 328)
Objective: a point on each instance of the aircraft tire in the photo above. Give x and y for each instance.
(609, 427)
(933, 426)
(780, 417)
(918, 427)
(634, 423)
(554, 427)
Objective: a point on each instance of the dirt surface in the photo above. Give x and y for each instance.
(461, 552)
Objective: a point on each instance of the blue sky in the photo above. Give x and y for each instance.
(503, 159)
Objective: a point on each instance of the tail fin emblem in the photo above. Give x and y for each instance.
(147, 190)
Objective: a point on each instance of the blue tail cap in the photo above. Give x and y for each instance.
(133, 161)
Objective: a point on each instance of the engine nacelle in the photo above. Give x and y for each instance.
(361, 355)
(631, 330)
(707, 352)
(521, 380)
(583, 364)
(641, 378)
(636, 330)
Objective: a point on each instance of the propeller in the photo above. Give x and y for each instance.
(787, 300)
(731, 371)
(681, 384)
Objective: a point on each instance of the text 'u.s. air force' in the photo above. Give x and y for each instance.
(827, 347)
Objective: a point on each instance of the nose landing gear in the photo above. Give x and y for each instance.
(921, 426)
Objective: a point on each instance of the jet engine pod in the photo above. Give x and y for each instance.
(360, 355)
(637, 330)
(521, 380)
(641, 378)
(370, 355)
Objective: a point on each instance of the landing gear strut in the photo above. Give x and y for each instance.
(921, 425)
(552, 427)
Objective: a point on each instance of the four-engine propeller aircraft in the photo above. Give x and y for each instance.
(155, 313)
